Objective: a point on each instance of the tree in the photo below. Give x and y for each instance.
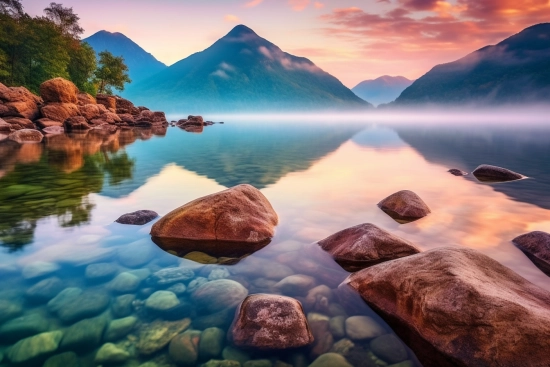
(11, 8)
(65, 19)
(112, 72)
(82, 67)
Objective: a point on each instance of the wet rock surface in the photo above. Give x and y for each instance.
(365, 245)
(488, 173)
(26, 136)
(472, 307)
(457, 172)
(219, 294)
(404, 206)
(536, 246)
(137, 218)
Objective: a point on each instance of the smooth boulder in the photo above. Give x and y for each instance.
(26, 136)
(488, 173)
(457, 172)
(404, 206)
(271, 322)
(365, 245)
(458, 307)
(536, 246)
(219, 294)
(59, 90)
(18, 102)
(137, 218)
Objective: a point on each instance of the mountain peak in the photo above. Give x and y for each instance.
(241, 30)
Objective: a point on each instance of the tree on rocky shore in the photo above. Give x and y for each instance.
(111, 73)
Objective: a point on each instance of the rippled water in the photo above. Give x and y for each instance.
(58, 201)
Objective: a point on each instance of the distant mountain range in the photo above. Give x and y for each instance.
(141, 64)
(243, 72)
(517, 70)
(384, 89)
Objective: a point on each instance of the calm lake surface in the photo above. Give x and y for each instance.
(59, 200)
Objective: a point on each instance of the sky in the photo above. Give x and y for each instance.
(353, 40)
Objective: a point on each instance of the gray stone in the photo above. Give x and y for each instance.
(44, 290)
(119, 328)
(162, 301)
(137, 218)
(330, 360)
(110, 353)
(220, 319)
(39, 269)
(100, 272)
(88, 304)
(363, 327)
(172, 275)
(136, 254)
(125, 283)
(67, 359)
(184, 348)
(34, 347)
(296, 285)
(337, 327)
(122, 305)
(488, 173)
(235, 354)
(141, 274)
(219, 273)
(83, 335)
(389, 348)
(62, 298)
(219, 363)
(156, 335)
(258, 363)
(219, 294)
(9, 310)
(195, 284)
(178, 288)
(23, 327)
(211, 343)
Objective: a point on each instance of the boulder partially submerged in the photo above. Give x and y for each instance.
(365, 245)
(457, 172)
(404, 206)
(228, 223)
(488, 173)
(137, 218)
(270, 322)
(458, 307)
(26, 136)
(536, 246)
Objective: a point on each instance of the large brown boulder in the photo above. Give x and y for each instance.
(365, 245)
(106, 118)
(536, 246)
(151, 117)
(240, 216)
(85, 98)
(20, 123)
(18, 102)
(59, 111)
(456, 307)
(76, 123)
(124, 106)
(271, 322)
(89, 111)
(488, 173)
(108, 101)
(45, 123)
(59, 90)
(26, 136)
(404, 206)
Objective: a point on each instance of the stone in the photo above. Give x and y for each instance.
(172, 275)
(18, 123)
(322, 338)
(67, 359)
(108, 101)
(221, 319)
(39, 269)
(65, 296)
(456, 306)
(270, 322)
(218, 363)
(219, 273)
(162, 301)
(178, 289)
(137, 218)
(124, 106)
(363, 327)
(125, 283)
(83, 335)
(44, 290)
(184, 348)
(365, 245)
(85, 98)
(25, 136)
(296, 285)
(337, 326)
(195, 284)
(156, 335)
(110, 353)
(219, 294)
(342, 346)
(457, 172)
(258, 363)
(211, 343)
(488, 173)
(34, 347)
(404, 206)
(22, 327)
(389, 348)
(235, 354)
(5, 127)
(122, 305)
(76, 123)
(53, 130)
(59, 90)
(119, 328)
(136, 254)
(330, 360)
(59, 111)
(46, 123)
(89, 111)
(536, 246)
(100, 272)
(18, 102)
(201, 257)
(89, 304)
(9, 310)
(240, 217)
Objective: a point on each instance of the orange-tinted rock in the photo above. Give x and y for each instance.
(536, 246)
(241, 214)
(85, 98)
(365, 245)
(53, 130)
(18, 102)
(458, 307)
(106, 118)
(76, 123)
(59, 90)
(127, 118)
(26, 136)
(4, 126)
(22, 122)
(89, 111)
(404, 206)
(59, 111)
(45, 123)
(124, 106)
(151, 117)
(488, 173)
(108, 101)
(271, 322)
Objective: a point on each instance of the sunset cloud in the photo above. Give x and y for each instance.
(253, 3)
(319, 5)
(298, 5)
(231, 18)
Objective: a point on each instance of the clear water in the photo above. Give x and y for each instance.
(58, 201)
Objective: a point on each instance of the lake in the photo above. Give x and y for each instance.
(69, 271)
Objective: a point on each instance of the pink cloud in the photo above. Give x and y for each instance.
(231, 18)
(298, 5)
(253, 3)
(319, 5)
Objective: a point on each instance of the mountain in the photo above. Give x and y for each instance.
(384, 89)
(517, 70)
(243, 72)
(141, 64)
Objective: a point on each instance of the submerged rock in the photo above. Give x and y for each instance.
(211, 343)
(389, 348)
(22, 327)
(365, 245)
(155, 336)
(119, 328)
(229, 222)
(26, 136)
(138, 218)
(34, 347)
(184, 348)
(67, 359)
(271, 322)
(172, 275)
(136, 254)
(488, 173)
(219, 294)
(9, 310)
(330, 360)
(84, 335)
(296, 285)
(125, 283)
(110, 353)
(39, 269)
(88, 304)
(65, 296)
(162, 301)
(457, 172)
(44, 290)
(458, 307)
(363, 327)
(536, 246)
(404, 206)
(100, 272)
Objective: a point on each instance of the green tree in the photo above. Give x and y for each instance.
(65, 19)
(112, 72)
(82, 66)
(11, 8)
